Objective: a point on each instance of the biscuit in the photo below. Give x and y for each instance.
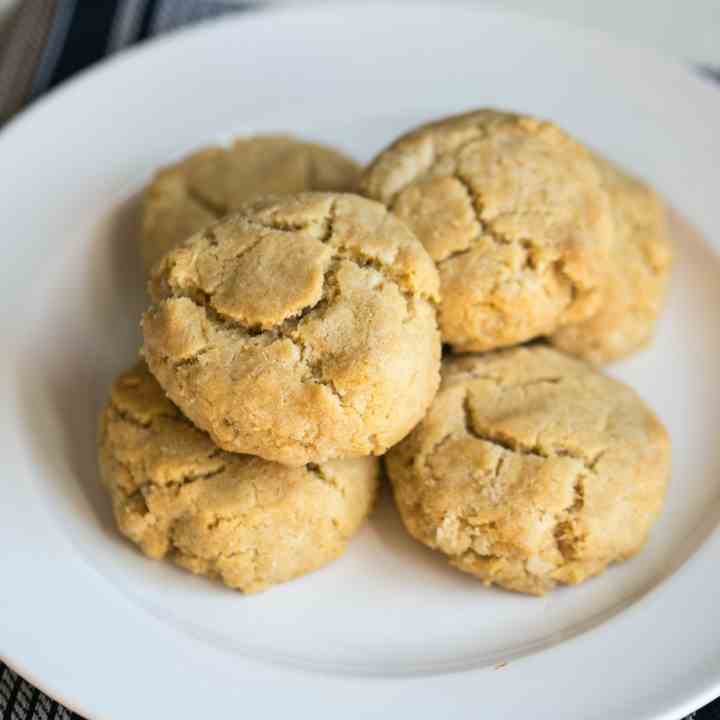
(249, 522)
(531, 469)
(641, 258)
(191, 194)
(299, 330)
(514, 213)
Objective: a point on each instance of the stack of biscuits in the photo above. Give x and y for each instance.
(447, 308)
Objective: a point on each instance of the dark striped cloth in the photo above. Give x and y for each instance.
(47, 41)
(44, 43)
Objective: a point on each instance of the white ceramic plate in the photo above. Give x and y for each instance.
(389, 628)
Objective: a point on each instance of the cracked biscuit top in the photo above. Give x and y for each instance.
(531, 469)
(189, 195)
(299, 330)
(250, 522)
(513, 212)
(640, 262)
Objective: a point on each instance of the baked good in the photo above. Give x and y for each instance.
(640, 262)
(531, 469)
(515, 215)
(190, 194)
(249, 522)
(300, 330)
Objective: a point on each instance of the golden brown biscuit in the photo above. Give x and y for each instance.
(300, 330)
(250, 522)
(531, 469)
(191, 194)
(513, 212)
(641, 258)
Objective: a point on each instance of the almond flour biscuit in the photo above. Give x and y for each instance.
(513, 212)
(641, 258)
(531, 469)
(249, 522)
(191, 194)
(299, 330)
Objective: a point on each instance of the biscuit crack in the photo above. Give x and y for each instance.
(363, 260)
(329, 223)
(494, 438)
(186, 478)
(190, 360)
(428, 456)
(314, 369)
(192, 476)
(129, 417)
(134, 498)
(487, 228)
(326, 226)
(142, 491)
(287, 330)
(319, 472)
(321, 230)
(567, 533)
(513, 445)
(481, 133)
(211, 562)
(575, 290)
(541, 381)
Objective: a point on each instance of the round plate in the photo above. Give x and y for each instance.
(390, 627)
